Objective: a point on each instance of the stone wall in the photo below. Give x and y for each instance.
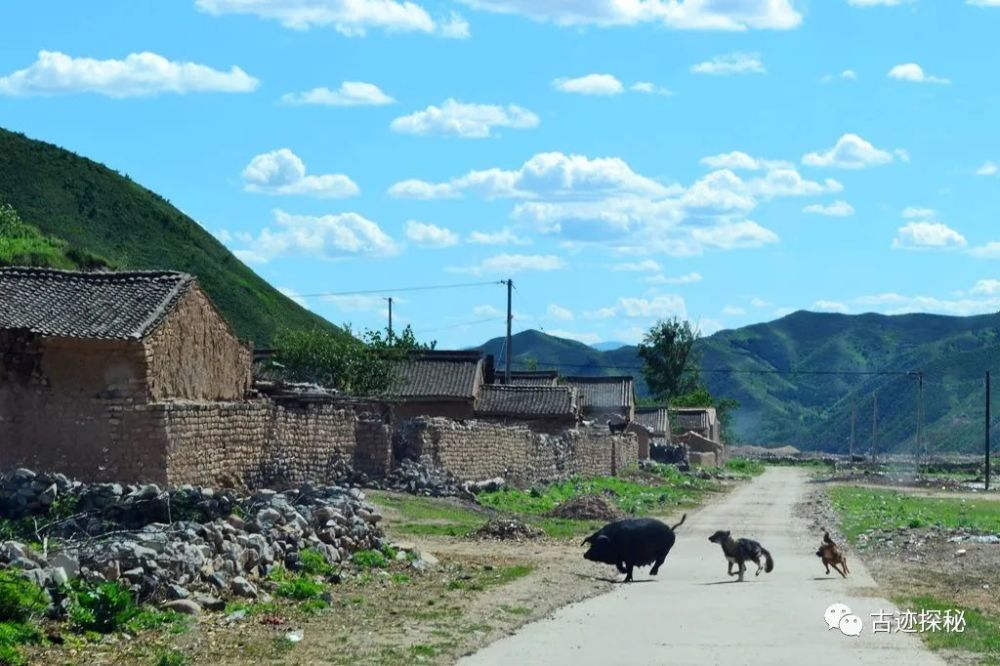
(194, 355)
(474, 450)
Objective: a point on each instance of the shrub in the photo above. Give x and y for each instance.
(13, 634)
(20, 599)
(103, 608)
(171, 658)
(369, 559)
(314, 562)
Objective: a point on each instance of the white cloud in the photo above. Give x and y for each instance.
(914, 73)
(350, 93)
(846, 75)
(759, 302)
(360, 303)
(544, 175)
(487, 311)
(294, 295)
(990, 250)
(560, 313)
(838, 208)
(503, 237)
(988, 287)
(687, 278)
(850, 152)
(677, 14)
(989, 168)
(729, 236)
(983, 3)
(513, 263)
(916, 213)
(738, 160)
(649, 88)
(645, 266)
(586, 338)
(467, 121)
(283, 172)
(657, 307)
(927, 235)
(591, 84)
(790, 183)
(352, 18)
(430, 235)
(733, 311)
(324, 236)
(893, 303)
(139, 74)
(707, 326)
(731, 63)
(830, 306)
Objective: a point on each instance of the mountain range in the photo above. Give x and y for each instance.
(798, 379)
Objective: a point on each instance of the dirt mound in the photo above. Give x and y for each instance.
(587, 507)
(507, 529)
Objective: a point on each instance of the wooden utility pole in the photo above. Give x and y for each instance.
(875, 426)
(987, 430)
(510, 317)
(390, 319)
(920, 419)
(854, 416)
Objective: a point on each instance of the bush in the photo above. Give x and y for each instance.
(13, 634)
(314, 562)
(20, 599)
(369, 559)
(300, 587)
(104, 608)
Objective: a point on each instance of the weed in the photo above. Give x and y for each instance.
(300, 587)
(20, 599)
(745, 466)
(981, 635)
(401, 579)
(171, 658)
(314, 562)
(490, 578)
(369, 559)
(103, 608)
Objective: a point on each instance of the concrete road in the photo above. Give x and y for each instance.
(693, 613)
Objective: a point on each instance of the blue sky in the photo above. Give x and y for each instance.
(727, 161)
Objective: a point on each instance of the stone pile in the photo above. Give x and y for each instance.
(587, 507)
(507, 529)
(422, 477)
(191, 542)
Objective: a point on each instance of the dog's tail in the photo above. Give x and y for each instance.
(768, 560)
(683, 518)
(826, 538)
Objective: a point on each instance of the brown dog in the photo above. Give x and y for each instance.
(832, 556)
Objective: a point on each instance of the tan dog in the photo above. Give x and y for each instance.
(832, 556)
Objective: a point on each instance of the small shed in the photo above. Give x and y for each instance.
(543, 408)
(440, 383)
(605, 397)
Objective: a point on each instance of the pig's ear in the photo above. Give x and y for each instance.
(587, 540)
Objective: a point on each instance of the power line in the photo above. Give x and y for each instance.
(400, 289)
(459, 325)
(730, 371)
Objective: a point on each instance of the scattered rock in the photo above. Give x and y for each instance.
(506, 529)
(587, 507)
(185, 606)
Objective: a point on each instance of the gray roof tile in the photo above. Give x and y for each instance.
(112, 306)
(655, 419)
(527, 401)
(603, 392)
(429, 375)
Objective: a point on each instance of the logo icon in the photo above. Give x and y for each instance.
(839, 616)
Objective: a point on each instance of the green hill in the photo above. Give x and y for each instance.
(784, 374)
(82, 214)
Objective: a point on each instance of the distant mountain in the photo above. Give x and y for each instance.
(609, 346)
(86, 215)
(785, 375)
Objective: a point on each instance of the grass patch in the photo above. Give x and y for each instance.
(296, 586)
(657, 491)
(370, 559)
(864, 509)
(485, 578)
(745, 466)
(424, 516)
(171, 658)
(981, 635)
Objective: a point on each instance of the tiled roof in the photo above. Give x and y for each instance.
(530, 378)
(603, 392)
(449, 375)
(655, 419)
(693, 418)
(111, 306)
(527, 401)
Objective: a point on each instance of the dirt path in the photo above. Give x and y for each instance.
(692, 613)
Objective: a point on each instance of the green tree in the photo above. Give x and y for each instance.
(670, 364)
(362, 366)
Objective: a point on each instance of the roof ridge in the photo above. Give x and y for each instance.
(121, 275)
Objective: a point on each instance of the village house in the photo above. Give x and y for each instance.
(440, 383)
(82, 353)
(605, 398)
(541, 408)
(699, 429)
(530, 378)
(657, 421)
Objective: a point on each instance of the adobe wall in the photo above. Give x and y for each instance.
(451, 409)
(74, 406)
(194, 355)
(476, 450)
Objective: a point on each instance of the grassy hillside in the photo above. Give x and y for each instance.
(769, 370)
(80, 213)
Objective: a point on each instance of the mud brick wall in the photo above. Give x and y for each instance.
(194, 355)
(475, 450)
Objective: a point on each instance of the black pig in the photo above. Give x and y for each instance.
(636, 542)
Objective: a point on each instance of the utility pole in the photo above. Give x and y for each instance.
(854, 416)
(987, 430)
(875, 426)
(510, 317)
(920, 419)
(390, 319)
